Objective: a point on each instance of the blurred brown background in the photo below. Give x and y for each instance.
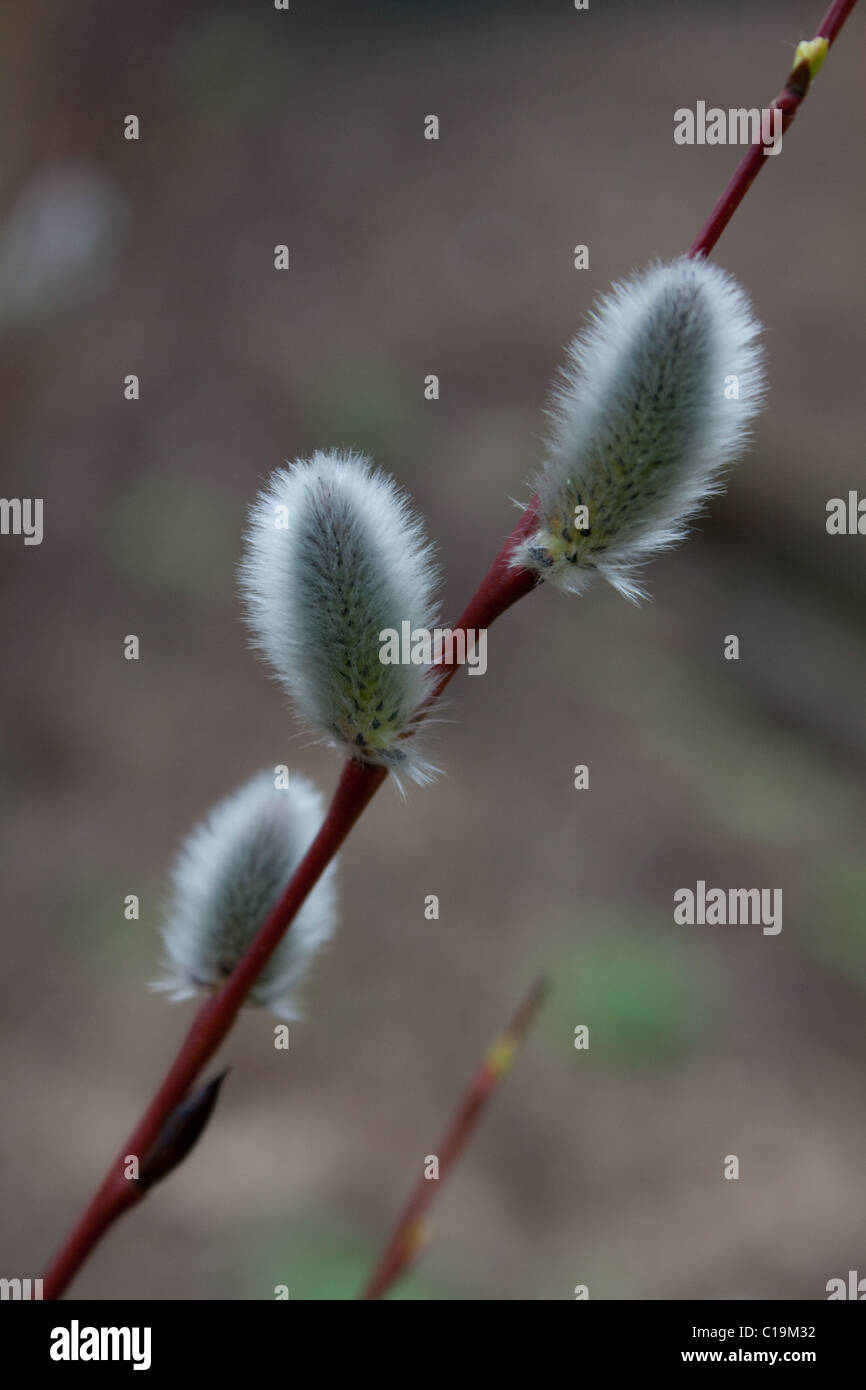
(411, 257)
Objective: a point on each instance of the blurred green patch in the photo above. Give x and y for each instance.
(834, 931)
(761, 783)
(365, 407)
(166, 534)
(236, 64)
(105, 939)
(757, 782)
(321, 1263)
(640, 993)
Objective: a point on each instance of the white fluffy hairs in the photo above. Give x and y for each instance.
(335, 555)
(655, 401)
(227, 876)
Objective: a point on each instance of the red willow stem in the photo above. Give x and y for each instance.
(834, 19)
(409, 1233)
(358, 783)
(502, 586)
(788, 101)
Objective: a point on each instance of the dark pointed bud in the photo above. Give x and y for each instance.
(180, 1133)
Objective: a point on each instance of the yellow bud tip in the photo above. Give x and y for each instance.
(813, 52)
(417, 1238)
(501, 1055)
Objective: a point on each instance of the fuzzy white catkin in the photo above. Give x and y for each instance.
(655, 401)
(334, 556)
(228, 875)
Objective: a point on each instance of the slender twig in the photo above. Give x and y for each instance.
(502, 586)
(410, 1232)
(789, 99)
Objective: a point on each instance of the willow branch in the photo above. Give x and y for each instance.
(810, 57)
(410, 1233)
(502, 586)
